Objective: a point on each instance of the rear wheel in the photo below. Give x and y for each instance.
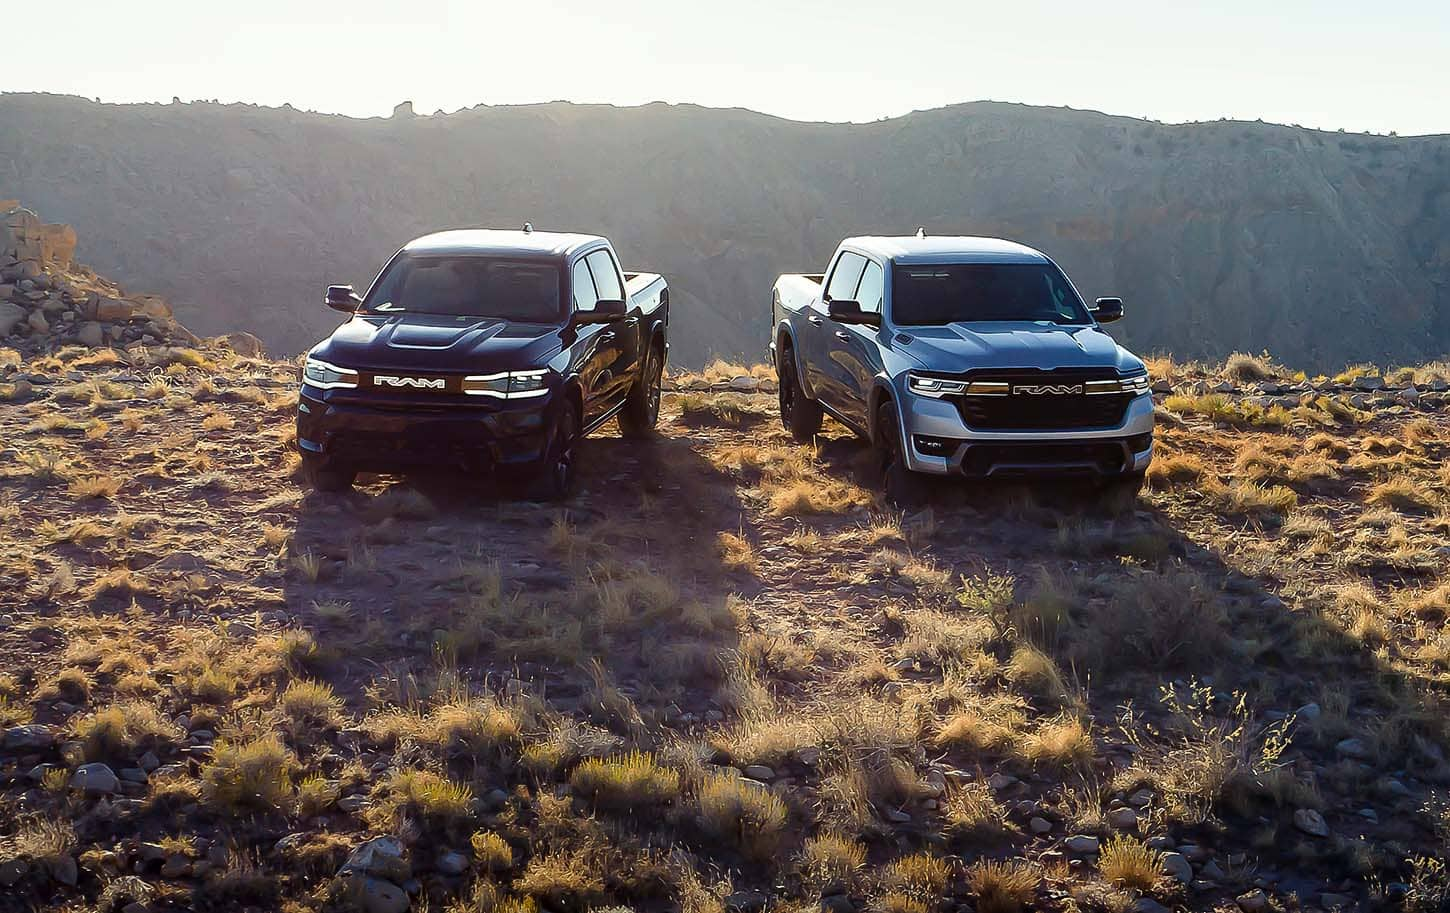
(642, 407)
(902, 487)
(325, 475)
(555, 479)
(800, 414)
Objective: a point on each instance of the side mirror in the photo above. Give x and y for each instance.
(342, 298)
(606, 310)
(843, 311)
(1106, 310)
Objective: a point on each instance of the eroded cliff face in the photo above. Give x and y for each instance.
(1324, 248)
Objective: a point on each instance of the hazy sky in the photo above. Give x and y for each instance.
(1330, 64)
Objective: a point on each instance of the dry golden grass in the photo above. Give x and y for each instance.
(625, 782)
(1247, 368)
(1003, 886)
(125, 730)
(251, 773)
(832, 863)
(741, 813)
(1402, 494)
(1129, 863)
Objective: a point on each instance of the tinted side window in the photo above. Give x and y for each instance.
(846, 277)
(868, 293)
(583, 287)
(606, 275)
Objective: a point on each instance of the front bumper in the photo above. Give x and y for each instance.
(381, 433)
(937, 441)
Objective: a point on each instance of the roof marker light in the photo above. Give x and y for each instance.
(528, 227)
(921, 231)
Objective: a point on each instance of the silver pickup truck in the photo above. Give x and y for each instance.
(961, 356)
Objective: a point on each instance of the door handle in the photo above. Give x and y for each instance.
(843, 335)
(814, 319)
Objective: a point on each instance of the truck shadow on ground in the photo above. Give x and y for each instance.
(618, 590)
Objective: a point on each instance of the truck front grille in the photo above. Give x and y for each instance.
(1044, 401)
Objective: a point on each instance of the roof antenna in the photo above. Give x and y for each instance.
(921, 231)
(528, 227)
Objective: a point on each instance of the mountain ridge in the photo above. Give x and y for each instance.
(1222, 236)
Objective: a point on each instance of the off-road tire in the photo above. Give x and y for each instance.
(554, 479)
(800, 414)
(642, 407)
(324, 475)
(902, 487)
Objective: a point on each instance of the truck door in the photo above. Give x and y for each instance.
(830, 386)
(619, 343)
(855, 352)
(591, 351)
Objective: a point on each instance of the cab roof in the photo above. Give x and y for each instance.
(945, 249)
(500, 242)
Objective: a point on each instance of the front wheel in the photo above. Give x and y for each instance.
(642, 408)
(324, 475)
(555, 479)
(800, 414)
(901, 486)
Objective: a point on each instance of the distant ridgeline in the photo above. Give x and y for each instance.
(1323, 248)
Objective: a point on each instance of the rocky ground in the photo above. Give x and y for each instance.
(725, 675)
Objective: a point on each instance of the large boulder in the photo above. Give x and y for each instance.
(244, 344)
(116, 310)
(25, 237)
(10, 317)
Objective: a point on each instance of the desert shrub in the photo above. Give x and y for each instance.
(627, 781)
(253, 773)
(742, 813)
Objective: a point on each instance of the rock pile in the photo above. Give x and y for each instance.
(48, 300)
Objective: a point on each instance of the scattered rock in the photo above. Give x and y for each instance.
(759, 772)
(381, 857)
(1353, 748)
(1311, 822)
(1178, 866)
(12, 871)
(33, 737)
(452, 862)
(1040, 826)
(62, 869)
(1082, 843)
(176, 866)
(377, 895)
(1148, 905)
(1123, 819)
(1255, 901)
(10, 316)
(95, 780)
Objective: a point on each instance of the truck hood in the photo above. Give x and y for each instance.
(960, 347)
(438, 342)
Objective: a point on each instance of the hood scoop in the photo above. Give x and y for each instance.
(436, 332)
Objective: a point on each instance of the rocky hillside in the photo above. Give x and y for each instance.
(1325, 248)
(48, 300)
(724, 677)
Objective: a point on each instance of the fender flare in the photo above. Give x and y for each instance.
(881, 389)
(785, 334)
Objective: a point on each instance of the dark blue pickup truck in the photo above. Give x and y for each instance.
(488, 351)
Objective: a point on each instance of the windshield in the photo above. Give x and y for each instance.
(526, 291)
(938, 294)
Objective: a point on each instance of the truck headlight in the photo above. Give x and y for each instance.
(324, 376)
(935, 387)
(1136, 385)
(508, 384)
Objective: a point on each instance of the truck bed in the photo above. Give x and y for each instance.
(794, 291)
(645, 290)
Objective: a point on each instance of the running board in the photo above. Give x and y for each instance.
(609, 413)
